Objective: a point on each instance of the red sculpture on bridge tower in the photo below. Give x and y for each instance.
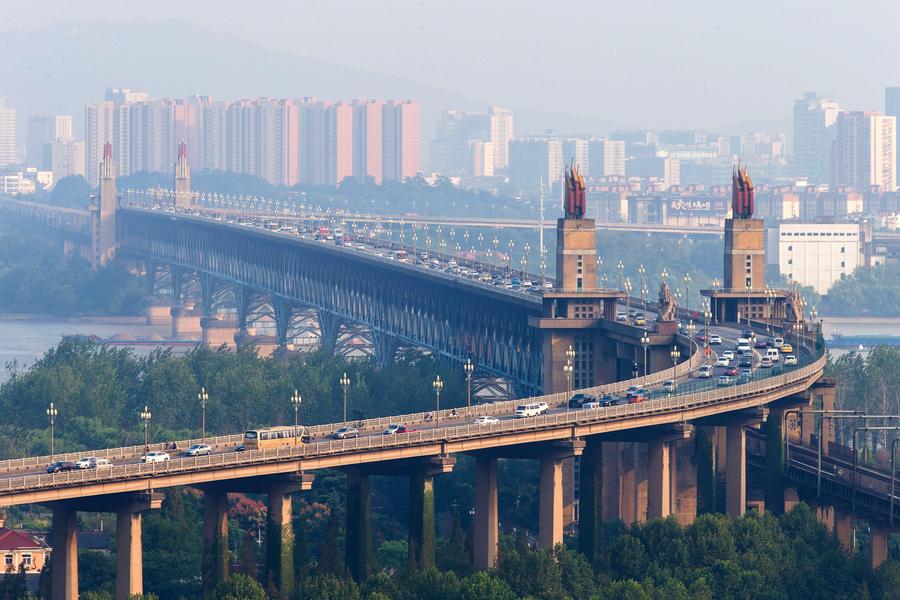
(574, 200)
(741, 193)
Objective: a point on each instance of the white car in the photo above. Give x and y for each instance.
(392, 428)
(790, 360)
(724, 380)
(486, 420)
(715, 338)
(155, 457)
(729, 354)
(668, 385)
(198, 450)
(704, 372)
(722, 361)
(85, 463)
(591, 404)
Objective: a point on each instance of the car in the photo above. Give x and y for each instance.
(548, 285)
(531, 409)
(590, 405)
(715, 339)
(700, 337)
(155, 456)
(722, 361)
(765, 363)
(746, 362)
(724, 380)
(345, 433)
(240, 448)
(60, 466)
(747, 373)
(636, 394)
(621, 317)
(609, 400)
(86, 463)
(786, 348)
(392, 429)
(778, 342)
(198, 450)
(704, 372)
(579, 399)
(790, 360)
(486, 420)
(729, 354)
(668, 385)
(640, 321)
(760, 344)
(730, 371)
(748, 333)
(100, 463)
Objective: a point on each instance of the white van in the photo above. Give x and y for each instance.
(773, 355)
(704, 372)
(531, 410)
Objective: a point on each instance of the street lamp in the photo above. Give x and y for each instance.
(627, 290)
(687, 292)
(469, 368)
(145, 417)
(570, 367)
(295, 401)
(675, 354)
(706, 317)
(438, 385)
(645, 342)
(599, 268)
(345, 384)
(747, 316)
(203, 397)
(51, 413)
(642, 271)
(716, 283)
(621, 268)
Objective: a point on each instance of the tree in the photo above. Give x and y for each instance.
(73, 190)
(330, 552)
(484, 586)
(238, 587)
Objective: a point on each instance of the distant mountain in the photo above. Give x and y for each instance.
(63, 68)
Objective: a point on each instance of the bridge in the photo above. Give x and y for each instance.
(566, 337)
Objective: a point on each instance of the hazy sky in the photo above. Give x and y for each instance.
(685, 63)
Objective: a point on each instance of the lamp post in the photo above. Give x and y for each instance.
(645, 342)
(599, 268)
(570, 368)
(295, 401)
(145, 417)
(627, 290)
(675, 354)
(480, 249)
(438, 385)
(509, 246)
(716, 283)
(51, 413)
(687, 292)
(621, 268)
(203, 397)
(345, 384)
(747, 315)
(706, 317)
(642, 271)
(469, 368)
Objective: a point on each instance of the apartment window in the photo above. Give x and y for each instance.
(790, 248)
(790, 261)
(843, 264)
(843, 250)
(584, 362)
(748, 257)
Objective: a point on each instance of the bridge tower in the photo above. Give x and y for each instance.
(103, 213)
(182, 179)
(572, 312)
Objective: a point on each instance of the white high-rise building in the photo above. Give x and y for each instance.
(883, 152)
(534, 159)
(864, 151)
(817, 254)
(67, 158)
(501, 123)
(814, 118)
(481, 158)
(606, 158)
(62, 127)
(7, 134)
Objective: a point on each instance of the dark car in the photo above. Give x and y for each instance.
(609, 400)
(578, 400)
(746, 362)
(60, 466)
(760, 344)
(748, 333)
(730, 371)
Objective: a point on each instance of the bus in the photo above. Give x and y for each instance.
(274, 437)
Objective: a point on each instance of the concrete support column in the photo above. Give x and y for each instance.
(659, 485)
(129, 555)
(611, 481)
(590, 501)
(64, 558)
(684, 481)
(736, 473)
(774, 489)
(640, 481)
(705, 448)
(280, 543)
(359, 526)
(843, 529)
(878, 546)
(551, 503)
(215, 539)
(421, 520)
(627, 475)
(486, 517)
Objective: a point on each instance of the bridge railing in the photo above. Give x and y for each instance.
(621, 413)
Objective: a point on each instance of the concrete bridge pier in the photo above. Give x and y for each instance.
(591, 499)
(129, 547)
(159, 312)
(878, 545)
(215, 539)
(422, 530)
(185, 321)
(551, 508)
(486, 515)
(216, 331)
(358, 539)
(280, 532)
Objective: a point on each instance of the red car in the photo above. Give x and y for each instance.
(732, 371)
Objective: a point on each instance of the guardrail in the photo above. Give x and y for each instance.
(430, 436)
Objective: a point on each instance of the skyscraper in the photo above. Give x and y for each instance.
(606, 158)
(36, 139)
(532, 160)
(7, 134)
(367, 139)
(62, 127)
(814, 118)
(864, 153)
(501, 124)
(338, 143)
(892, 109)
(400, 139)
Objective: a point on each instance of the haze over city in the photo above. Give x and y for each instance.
(394, 300)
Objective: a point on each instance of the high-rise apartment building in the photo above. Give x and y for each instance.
(532, 160)
(338, 142)
(575, 152)
(864, 151)
(36, 140)
(214, 120)
(367, 139)
(400, 139)
(7, 134)
(501, 124)
(66, 158)
(606, 158)
(62, 127)
(814, 119)
(481, 158)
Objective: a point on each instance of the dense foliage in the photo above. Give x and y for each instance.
(868, 291)
(36, 278)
